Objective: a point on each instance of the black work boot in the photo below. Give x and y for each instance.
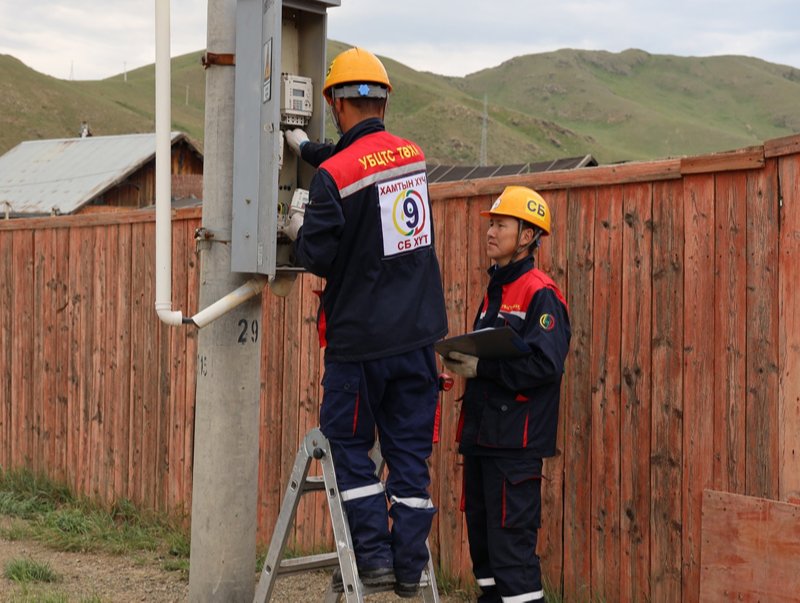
(381, 576)
(406, 590)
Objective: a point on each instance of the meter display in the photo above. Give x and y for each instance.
(296, 103)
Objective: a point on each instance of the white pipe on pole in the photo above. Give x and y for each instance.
(236, 297)
(163, 303)
(163, 169)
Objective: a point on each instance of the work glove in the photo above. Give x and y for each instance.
(462, 364)
(296, 139)
(282, 283)
(292, 226)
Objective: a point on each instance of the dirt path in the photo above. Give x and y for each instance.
(139, 577)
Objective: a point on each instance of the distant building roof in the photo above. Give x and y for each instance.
(42, 177)
(452, 173)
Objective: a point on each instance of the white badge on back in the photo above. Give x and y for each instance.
(405, 213)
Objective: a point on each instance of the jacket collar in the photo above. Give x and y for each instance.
(361, 129)
(510, 272)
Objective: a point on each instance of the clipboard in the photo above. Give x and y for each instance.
(491, 344)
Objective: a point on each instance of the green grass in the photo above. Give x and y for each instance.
(28, 570)
(26, 495)
(449, 585)
(39, 595)
(49, 513)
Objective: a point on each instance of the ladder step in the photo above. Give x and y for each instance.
(314, 483)
(310, 562)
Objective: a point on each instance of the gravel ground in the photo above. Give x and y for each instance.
(139, 577)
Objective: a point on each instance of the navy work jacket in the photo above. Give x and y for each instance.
(511, 407)
(368, 231)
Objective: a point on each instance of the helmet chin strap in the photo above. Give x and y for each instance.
(524, 250)
(335, 117)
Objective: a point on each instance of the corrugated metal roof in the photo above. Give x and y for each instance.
(449, 173)
(42, 177)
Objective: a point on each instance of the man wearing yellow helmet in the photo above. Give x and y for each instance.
(368, 231)
(509, 414)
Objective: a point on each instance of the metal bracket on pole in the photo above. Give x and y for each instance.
(214, 58)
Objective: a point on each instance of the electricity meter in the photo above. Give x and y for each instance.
(296, 100)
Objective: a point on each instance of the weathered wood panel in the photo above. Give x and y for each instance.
(311, 513)
(751, 548)
(762, 438)
(139, 323)
(730, 299)
(58, 457)
(43, 345)
(476, 279)
(153, 344)
(698, 358)
(605, 387)
(454, 226)
(789, 337)
(635, 403)
(290, 396)
(271, 488)
(578, 529)
(102, 292)
(122, 358)
(22, 376)
(95, 411)
(177, 374)
(7, 277)
(192, 303)
(552, 259)
(667, 402)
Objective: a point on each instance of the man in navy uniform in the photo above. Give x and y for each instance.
(509, 415)
(367, 229)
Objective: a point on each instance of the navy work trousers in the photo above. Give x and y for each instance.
(502, 502)
(397, 397)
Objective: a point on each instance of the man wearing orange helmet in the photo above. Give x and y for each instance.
(509, 415)
(367, 230)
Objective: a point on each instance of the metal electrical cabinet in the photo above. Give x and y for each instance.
(280, 70)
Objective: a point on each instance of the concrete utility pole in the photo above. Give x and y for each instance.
(225, 478)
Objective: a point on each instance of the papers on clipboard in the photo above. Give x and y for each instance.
(489, 343)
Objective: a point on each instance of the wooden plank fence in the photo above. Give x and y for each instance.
(683, 376)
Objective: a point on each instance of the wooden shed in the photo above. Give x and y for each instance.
(93, 173)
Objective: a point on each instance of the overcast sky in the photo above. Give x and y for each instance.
(93, 39)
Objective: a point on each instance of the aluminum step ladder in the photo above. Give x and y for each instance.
(315, 446)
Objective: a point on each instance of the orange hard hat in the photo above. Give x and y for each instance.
(354, 70)
(524, 204)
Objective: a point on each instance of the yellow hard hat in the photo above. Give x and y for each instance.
(357, 66)
(524, 204)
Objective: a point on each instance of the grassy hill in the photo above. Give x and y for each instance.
(36, 106)
(617, 106)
